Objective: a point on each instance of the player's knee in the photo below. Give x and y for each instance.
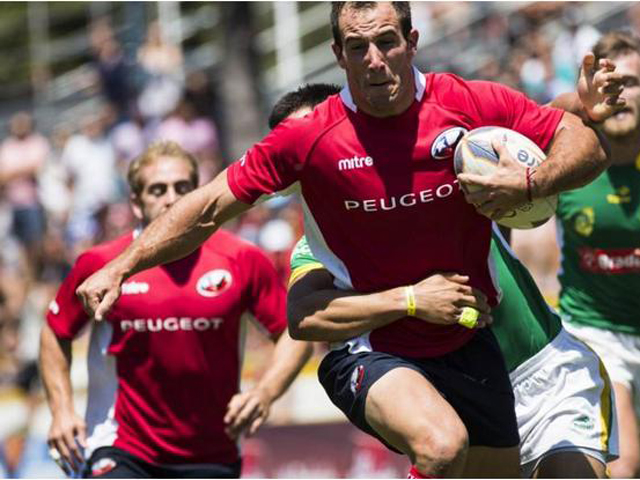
(437, 451)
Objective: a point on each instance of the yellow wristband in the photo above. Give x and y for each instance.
(469, 317)
(411, 300)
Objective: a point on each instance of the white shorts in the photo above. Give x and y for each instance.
(620, 353)
(564, 402)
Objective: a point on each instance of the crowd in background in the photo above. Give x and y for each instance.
(65, 191)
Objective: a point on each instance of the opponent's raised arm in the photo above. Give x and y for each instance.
(173, 235)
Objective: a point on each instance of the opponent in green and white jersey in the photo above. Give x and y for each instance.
(599, 229)
(538, 351)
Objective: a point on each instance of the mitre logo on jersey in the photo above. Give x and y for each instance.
(134, 288)
(445, 144)
(354, 162)
(213, 283)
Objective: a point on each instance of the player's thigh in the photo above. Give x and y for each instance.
(109, 462)
(628, 465)
(490, 462)
(570, 465)
(406, 410)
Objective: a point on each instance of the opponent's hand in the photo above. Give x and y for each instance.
(599, 90)
(99, 292)
(246, 412)
(496, 194)
(68, 432)
(440, 299)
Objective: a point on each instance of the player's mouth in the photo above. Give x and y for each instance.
(623, 113)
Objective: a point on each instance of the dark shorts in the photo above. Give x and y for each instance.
(473, 379)
(112, 462)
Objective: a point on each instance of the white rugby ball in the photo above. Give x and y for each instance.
(474, 154)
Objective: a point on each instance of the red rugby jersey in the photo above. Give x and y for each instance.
(166, 362)
(382, 204)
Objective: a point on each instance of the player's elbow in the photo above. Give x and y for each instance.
(295, 320)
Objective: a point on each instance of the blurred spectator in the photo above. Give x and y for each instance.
(113, 72)
(161, 63)
(196, 134)
(90, 162)
(22, 156)
(574, 41)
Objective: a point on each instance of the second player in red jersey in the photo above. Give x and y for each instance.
(165, 365)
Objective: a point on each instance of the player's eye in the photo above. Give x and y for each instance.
(182, 188)
(629, 82)
(157, 190)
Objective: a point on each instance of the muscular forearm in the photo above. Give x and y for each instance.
(55, 365)
(289, 356)
(343, 315)
(184, 227)
(576, 158)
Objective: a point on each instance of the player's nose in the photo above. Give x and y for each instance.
(374, 57)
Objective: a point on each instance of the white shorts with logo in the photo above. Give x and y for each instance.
(564, 402)
(620, 353)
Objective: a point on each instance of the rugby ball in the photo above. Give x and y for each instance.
(474, 154)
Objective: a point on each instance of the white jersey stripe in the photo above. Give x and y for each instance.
(102, 428)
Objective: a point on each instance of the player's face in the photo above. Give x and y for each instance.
(627, 121)
(164, 182)
(377, 59)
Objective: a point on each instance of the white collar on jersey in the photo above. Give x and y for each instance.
(421, 84)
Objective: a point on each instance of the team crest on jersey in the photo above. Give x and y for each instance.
(356, 379)
(445, 144)
(213, 283)
(584, 221)
(103, 466)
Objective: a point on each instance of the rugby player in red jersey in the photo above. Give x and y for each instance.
(383, 209)
(164, 368)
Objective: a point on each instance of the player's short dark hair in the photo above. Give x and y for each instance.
(616, 43)
(307, 96)
(403, 10)
(163, 148)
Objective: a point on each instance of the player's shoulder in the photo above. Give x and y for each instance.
(451, 89)
(100, 254)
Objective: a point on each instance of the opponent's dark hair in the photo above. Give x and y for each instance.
(307, 96)
(616, 43)
(403, 10)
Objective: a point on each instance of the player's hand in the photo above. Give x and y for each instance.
(99, 292)
(441, 298)
(246, 412)
(599, 90)
(68, 432)
(496, 194)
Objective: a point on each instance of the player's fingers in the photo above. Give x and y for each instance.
(81, 434)
(484, 320)
(61, 446)
(75, 456)
(58, 458)
(105, 304)
(455, 277)
(588, 63)
(235, 405)
(246, 414)
(607, 64)
(256, 424)
(498, 145)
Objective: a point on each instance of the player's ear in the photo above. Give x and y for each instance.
(136, 206)
(337, 51)
(413, 40)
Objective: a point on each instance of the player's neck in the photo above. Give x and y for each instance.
(625, 150)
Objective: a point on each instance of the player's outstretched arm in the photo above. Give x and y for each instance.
(320, 312)
(173, 235)
(66, 425)
(247, 411)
